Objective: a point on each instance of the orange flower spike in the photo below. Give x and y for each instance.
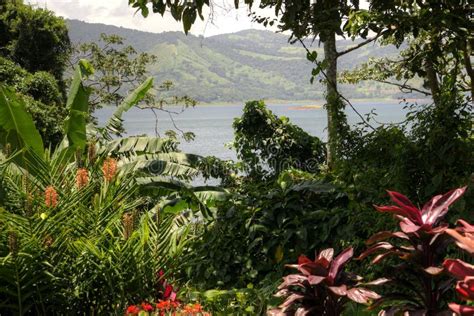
(109, 168)
(82, 178)
(50, 197)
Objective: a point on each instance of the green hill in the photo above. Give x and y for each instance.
(235, 67)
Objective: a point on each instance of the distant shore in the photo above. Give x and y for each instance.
(315, 103)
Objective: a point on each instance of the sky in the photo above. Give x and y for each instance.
(226, 19)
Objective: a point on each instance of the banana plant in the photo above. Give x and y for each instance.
(147, 157)
(87, 225)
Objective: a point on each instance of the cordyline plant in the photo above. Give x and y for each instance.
(322, 287)
(418, 280)
(462, 271)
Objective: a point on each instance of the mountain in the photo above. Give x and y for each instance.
(241, 66)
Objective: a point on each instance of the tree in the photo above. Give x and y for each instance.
(118, 69)
(34, 47)
(42, 97)
(321, 19)
(36, 39)
(440, 42)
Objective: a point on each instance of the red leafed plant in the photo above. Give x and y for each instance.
(321, 287)
(417, 282)
(165, 290)
(462, 271)
(464, 236)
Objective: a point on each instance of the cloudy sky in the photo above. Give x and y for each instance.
(117, 12)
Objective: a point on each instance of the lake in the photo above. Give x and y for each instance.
(212, 124)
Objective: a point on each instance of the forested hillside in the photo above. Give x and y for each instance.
(237, 67)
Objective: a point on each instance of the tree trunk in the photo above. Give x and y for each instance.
(332, 98)
(433, 83)
(468, 66)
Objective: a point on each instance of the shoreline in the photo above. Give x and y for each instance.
(316, 102)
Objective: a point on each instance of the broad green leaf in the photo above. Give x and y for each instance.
(132, 99)
(16, 125)
(189, 17)
(78, 106)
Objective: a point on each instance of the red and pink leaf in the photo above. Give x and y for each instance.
(465, 288)
(378, 246)
(379, 281)
(462, 310)
(338, 263)
(458, 268)
(382, 256)
(293, 280)
(465, 226)
(434, 270)
(290, 300)
(325, 257)
(463, 242)
(302, 259)
(407, 205)
(385, 235)
(339, 290)
(436, 210)
(413, 215)
(315, 279)
(408, 227)
(361, 295)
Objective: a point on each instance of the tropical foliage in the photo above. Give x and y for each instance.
(93, 223)
(75, 223)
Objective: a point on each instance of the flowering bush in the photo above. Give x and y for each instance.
(163, 308)
(168, 304)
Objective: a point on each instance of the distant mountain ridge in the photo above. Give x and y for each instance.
(250, 64)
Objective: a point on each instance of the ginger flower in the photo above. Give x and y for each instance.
(82, 178)
(109, 168)
(50, 197)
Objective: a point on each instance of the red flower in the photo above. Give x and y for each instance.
(163, 305)
(193, 309)
(133, 310)
(161, 273)
(168, 292)
(147, 307)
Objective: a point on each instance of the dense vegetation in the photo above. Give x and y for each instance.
(95, 223)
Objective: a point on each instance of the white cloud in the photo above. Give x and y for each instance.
(225, 19)
(117, 12)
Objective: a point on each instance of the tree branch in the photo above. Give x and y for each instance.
(404, 86)
(339, 54)
(337, 92)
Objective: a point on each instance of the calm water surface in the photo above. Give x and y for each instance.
(213, 124)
